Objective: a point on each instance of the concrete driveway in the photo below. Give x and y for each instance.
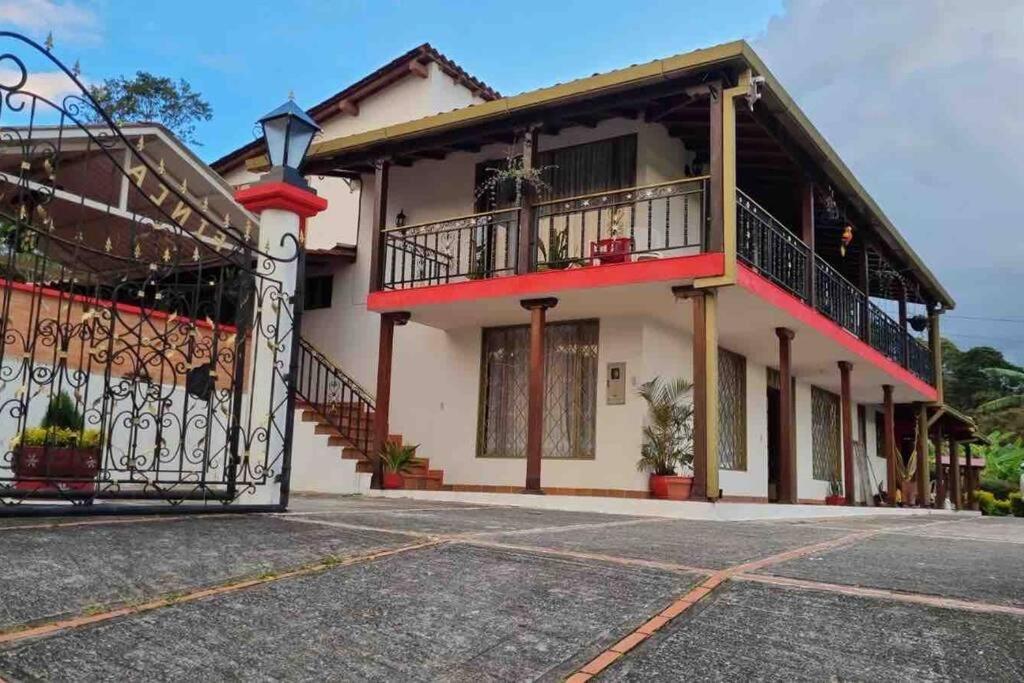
(381, 589)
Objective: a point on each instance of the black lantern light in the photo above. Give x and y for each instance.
(288, 132)
(400, 219)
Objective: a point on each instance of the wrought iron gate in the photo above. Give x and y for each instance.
(148, 339)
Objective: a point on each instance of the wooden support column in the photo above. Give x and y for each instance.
(527, 246)
(892, 482)
(846, 418)
(807, 232)
(954, 474)
(864, 284)
(904, 337)
(379, 222)
(382, 407)
(535, 402)
(923, 475)
(969, 474)
(935, 343)
(787, 445)
(705, 395)
(938, 443)
(716, 201)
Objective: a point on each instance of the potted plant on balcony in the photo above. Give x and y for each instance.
(556, 252)
(835, 492)
(397, 459)
(667, 438)
(59, 454)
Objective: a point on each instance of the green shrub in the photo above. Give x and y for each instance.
(991, 506)
(1000, 488)
(62, 413)
(1017, 504)
(398, 458)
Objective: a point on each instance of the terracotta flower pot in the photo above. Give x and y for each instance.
(393, 480)
(670, 487)
(38, 468)
(835, 500)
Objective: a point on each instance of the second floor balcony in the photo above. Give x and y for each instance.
(636, 225)
(628, 225)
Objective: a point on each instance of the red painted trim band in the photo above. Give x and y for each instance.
(780, 298)
(281, 196)
(551, 281)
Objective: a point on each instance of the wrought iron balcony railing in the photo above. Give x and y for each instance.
(837, 298)
(471, 247)
(767, 246)
(771, 249)
(636, 223)
(628, 224)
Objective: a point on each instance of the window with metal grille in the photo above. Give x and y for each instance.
(570, 392)
(825, 434)
(732, 411)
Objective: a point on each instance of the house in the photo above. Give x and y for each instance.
(506, 272)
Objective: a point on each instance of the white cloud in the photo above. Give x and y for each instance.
(52, 85)
(923, 99)
(67, 20)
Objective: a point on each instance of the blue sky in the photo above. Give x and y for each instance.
(921, 98)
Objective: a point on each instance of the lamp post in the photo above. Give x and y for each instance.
(284, 200)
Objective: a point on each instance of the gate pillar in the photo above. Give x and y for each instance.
(269, 409)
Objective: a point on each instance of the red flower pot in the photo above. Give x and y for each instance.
(670, 487)
(393, 480)
(39, 468)
(611, 250)
(835, 500)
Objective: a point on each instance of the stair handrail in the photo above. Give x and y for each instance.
(335, 396)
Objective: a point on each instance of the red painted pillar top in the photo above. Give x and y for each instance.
(281, 196)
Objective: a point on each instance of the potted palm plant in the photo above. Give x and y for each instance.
(397, 460)
(59, 453)
(667, 438)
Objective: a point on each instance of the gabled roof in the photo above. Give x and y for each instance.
(374, 82)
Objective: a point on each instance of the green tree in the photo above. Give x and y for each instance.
(149, 98)
(968, 381)
(1011, 385)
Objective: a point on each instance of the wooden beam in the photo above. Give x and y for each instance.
(349, 107)
(526, 254)
(971, 476)
(705, 395)
(939, 443)
(807, 233)
(845, 408)
(418, 69)
(378, 223)
(954, 474)
(535, 395)
(382, 407)
(716, 232)
(923, 475)
(892, 482)
(787, 446)
(904, 339)
(935, 344)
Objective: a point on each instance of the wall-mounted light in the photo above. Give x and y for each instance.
(400, 219)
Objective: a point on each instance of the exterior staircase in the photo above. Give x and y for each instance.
(340, 410)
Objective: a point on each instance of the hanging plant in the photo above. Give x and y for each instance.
(513, 174)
